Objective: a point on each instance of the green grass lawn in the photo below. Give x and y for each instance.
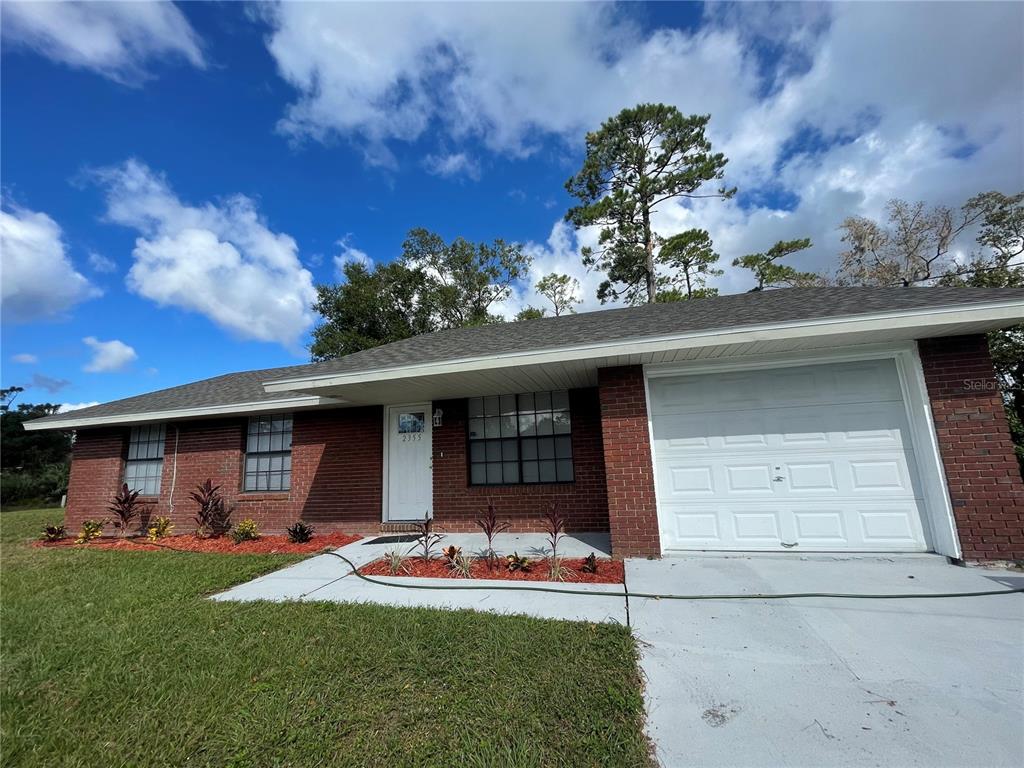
(116, 659)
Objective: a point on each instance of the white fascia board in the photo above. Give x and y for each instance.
(142, 417)
(994, 312)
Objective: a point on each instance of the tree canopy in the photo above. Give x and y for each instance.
(635, 161)
(691, 260)
(561, 290)
(433, 285)
(767, 270)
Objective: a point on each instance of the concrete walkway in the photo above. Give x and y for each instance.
(326, 578)
(814, 682)
(797, 682)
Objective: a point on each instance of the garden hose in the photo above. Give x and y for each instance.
(627, 594)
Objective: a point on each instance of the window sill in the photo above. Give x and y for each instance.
(262, 495)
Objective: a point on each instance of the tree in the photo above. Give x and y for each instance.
(634, 162)
(433, 285)
(561, 290)
(464, 279)
(691, 256)
(34, 464)
(529, 313)
(370, 308)
(771, 274)
(911, 246)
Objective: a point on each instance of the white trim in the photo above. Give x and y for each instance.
(938, 521)
(288, 404)
(429, 426)
(993, 312)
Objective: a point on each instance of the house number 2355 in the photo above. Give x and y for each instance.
(410, 437)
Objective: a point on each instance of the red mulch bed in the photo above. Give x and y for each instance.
(265, 545)
(608, 571)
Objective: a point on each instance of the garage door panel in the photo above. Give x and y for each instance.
(783, 387)
(813, 457)
(867, 527)
(885, 474)
(856, 427)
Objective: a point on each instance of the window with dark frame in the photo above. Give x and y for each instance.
(520, 439)
(145, 462)
(268, 453)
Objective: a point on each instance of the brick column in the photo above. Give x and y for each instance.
(974, 439)
(96, 469)
(629, 472)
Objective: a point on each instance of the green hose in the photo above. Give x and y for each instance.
(626, 593)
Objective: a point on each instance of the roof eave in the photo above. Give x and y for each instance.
(175, 414)
(1000, 314)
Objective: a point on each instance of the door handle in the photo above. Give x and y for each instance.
(789, 545)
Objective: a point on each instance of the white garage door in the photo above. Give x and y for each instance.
(808, 458)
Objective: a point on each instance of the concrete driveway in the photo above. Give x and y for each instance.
(816, 682)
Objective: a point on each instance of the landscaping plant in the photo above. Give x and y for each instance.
(589, 564)
(247, 530)
(91, 529)
(300, 533)
(125, 508)
(212, 518)
(396, 562)
(426, 539)
(160, 529)
(459, 565)
(452, 552)
(54, 533)
(554, 525)
(516, 563)
(491, 527)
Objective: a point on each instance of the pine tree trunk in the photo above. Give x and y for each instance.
(652, 288)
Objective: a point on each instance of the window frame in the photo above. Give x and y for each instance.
(128, 461)
(271, 453)
(519, 440)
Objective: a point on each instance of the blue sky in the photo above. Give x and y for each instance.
(176, 178)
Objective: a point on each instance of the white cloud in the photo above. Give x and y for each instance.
(219, 259)
(48, 383)
(25, 358)
(452, 165)
(101, 263)
(348, 255)
(116, 40)
(108, 356)
(68, 407)
(855, 104)
(39, 280)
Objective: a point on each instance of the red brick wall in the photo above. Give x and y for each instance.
(981, 471)
(457, 503)
(336, 472)
(632, 512)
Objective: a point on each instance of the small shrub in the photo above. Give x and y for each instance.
(396, 562)
(554, 525)
(426, 539)
(491, 527)
(54, 533)
(247, 530)
(589, 564)
(213, 516)
(460, 566)
(300, 533)
(91, 529)
(452, 552)
(125, 508)
(160, 529)
(516, 563)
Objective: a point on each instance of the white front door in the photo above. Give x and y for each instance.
(814, 457)
(409, 472)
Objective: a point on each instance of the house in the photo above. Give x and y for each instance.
(803, 420)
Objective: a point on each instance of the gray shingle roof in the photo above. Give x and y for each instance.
(733, 311)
